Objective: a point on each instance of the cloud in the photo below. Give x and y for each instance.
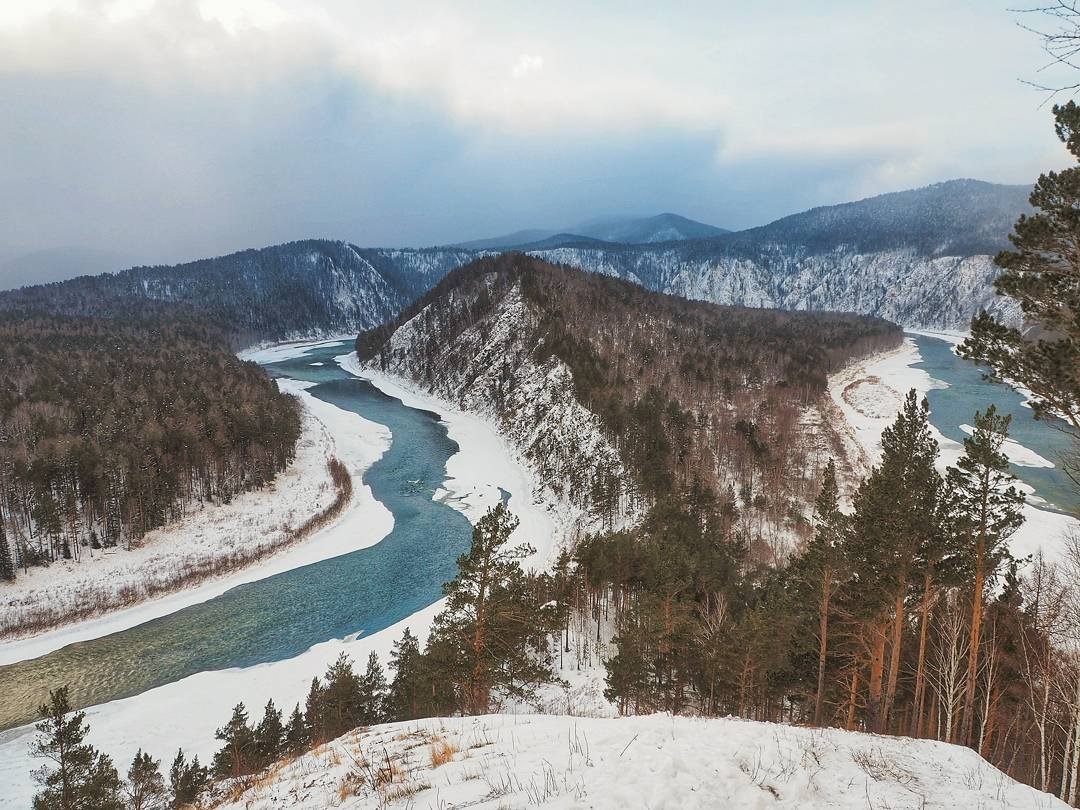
(525, 65)
(172, 129)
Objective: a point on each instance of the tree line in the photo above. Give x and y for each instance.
(109, 429)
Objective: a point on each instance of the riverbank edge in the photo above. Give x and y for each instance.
(153, 719)
(368, 439)
(484, 456)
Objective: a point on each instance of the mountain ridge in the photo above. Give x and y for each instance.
(921, 258)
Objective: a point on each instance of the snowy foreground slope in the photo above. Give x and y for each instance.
(657, 761)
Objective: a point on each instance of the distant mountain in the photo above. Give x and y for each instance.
(921, 258)
(624, 230)
(954, 218)
(649, 230)
(298, 289)
(508, 240)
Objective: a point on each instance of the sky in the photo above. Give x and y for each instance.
(156, 131)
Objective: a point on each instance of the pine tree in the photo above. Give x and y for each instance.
(894, 517)
(145, 784)
(269, 735)
(989, 510)
(1042, 273)
(81, 777)
(493, 620)
(104, 790)
(315, 714)
(237, 756)
(341, 698)
(407, 688)
(373, 692)
(187, 780)
(296, 734)
(821, 570)
(7, 563)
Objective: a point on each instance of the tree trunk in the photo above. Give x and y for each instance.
(877, 669)
(823, 642)
(852, 697)
(894, 655)
(920, 669)
(974, 638)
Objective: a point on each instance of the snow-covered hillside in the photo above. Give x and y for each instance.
(657, 761)
(921, 258)
(489, 370)
(900, 285)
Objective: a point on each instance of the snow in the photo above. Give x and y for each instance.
(870, 392)
(249, 520)
(277, 352)
(484, 462)
(186, 713)
(655, 761)
(900, 285)
(488, 371)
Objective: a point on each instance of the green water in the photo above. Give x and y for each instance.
(283, 615)
(969, 391)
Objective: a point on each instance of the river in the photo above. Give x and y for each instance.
(281, 616)
(967, 390)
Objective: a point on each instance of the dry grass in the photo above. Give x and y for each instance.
(442, 751)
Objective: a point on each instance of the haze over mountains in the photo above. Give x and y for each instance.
(628, 231)
(920, 258)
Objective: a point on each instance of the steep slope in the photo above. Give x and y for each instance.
(618, 397)
(652, 761)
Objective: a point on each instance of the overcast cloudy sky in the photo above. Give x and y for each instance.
(161, 130)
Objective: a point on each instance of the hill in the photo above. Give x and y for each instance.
(618, 397)
(921, 258)
(649, 761)
(308, 288)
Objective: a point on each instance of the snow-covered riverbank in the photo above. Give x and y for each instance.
(485, 463)
(254, 523)
(870, 392)
(187, 712)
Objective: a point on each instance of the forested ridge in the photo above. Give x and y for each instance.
(302, 288)
(696, 397)
(111, 428)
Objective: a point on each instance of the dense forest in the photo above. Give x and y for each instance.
(696, 397)
(111, 428)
